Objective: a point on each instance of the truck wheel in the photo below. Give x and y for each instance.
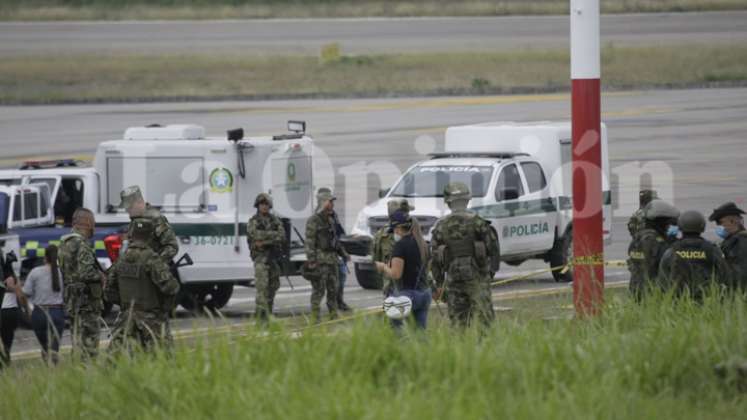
(560, 255)
(367, 277)
(212, 296)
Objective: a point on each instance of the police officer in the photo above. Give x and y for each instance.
(730, 228)
(462, 250)
(383, 240)
(322, 252)
(83, 283)
(163, 239)
(266, 237)
(692, 264)
(142, 285)
(638, 219)
(649, 244)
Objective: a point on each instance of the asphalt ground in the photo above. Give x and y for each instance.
(694, 140)
(360, 36)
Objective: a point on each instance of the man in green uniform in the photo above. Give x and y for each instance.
(83, 283)
(142, 285)
(266, 237)
(163, 239)
(322, 252)
(648, 246)
(692, 264)
(638, 219)
(383, 240)
(462, 250)
(730, 228)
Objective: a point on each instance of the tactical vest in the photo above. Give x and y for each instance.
(325, 236)
(460, 242)
(136, 289)
(68, 262)
(693, 263)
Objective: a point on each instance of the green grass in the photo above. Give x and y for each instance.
(650, 361)
(223, 9)
(116, 78)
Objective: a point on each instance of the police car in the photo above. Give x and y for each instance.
(204, 186)
(520, 178)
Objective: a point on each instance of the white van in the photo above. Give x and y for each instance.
(520, 178)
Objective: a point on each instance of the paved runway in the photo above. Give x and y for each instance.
(693, 141)
(358, 36)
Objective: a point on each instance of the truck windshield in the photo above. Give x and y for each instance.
(429, 181)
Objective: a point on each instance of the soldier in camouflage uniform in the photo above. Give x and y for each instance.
(266, 237)
(638, 219)
(692, 264)
(730, 228)
(322, 252)
(83, 283)
(383, 241)
(462, 250)
(163, 239)
(648, 246)
(142, 285)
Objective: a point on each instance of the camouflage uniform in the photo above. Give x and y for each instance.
(692, 264)
(638, 219)
(142, 285)
(383, 242)
(83, 291)
(163, 239)
(462, 250)
(323, 249)
(648, 246)
(269, 230)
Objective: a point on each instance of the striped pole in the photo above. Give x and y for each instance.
(588, 242)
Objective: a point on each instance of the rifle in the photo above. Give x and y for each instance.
(285, 252)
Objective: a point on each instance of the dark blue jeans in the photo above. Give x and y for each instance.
(421, 302)
(48, 324)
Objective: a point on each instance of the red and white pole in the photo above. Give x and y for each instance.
(588, 242)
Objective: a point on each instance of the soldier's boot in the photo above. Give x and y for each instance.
(333, 315)
(341, 303)
(315, 317)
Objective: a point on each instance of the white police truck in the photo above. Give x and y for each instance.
(520, 178)
(204, 186)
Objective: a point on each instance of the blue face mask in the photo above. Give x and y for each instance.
(721, 232)
(673, 231)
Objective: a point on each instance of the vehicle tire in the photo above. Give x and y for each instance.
(368, 279)
(560, 255)
(211, 296)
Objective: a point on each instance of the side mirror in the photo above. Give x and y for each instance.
(383, 192)
(510, 194)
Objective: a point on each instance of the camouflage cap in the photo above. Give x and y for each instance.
(141, 229)
(129, 196)
(398, 204)
(263, 198)
(645, 196)
(456, 191)
(324, 194)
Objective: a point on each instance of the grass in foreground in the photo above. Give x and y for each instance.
(233, 9)
(89, 78)
(650, 361)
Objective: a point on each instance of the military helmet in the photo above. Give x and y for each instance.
(263, 198)
(398, 204)
(660, 208)
(645, 197)
(456, 191)
(141, 229)
(691, 221)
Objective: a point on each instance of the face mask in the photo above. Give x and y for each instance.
(397, 237)
(673, 231)
(721, 232)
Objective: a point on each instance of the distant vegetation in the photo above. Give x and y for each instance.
(132, 78)
(232, 9)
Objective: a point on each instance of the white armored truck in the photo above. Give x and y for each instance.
(520, 178)
(204, 186)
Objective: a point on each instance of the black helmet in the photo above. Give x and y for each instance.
(660, 209)
(691, 221)
(645, 197)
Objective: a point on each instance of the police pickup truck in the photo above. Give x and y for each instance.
(204, 186)
(520, 178)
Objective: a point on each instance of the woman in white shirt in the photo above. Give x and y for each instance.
(43, 287)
